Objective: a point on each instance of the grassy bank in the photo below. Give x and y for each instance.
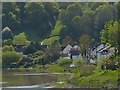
(105, 78)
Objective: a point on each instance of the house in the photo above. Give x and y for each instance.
(67, 49)
(75, 53)
(70, 51)
(106, 52)
(102, 51)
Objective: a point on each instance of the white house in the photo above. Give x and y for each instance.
(102, 51)
(71, 52)
(67, 49)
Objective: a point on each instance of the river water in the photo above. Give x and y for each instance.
(32, 79)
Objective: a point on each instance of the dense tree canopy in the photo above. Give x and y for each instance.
(10, 15)
(84, 43)
(21, 39)
(110, 34)
(41, 30)
(44, 20)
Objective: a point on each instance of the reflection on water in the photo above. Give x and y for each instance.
(30, 79)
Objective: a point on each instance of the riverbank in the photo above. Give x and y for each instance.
(105, 78)
(93, 79)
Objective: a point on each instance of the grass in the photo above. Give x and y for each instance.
(49, 41)
(55, 68)
(97, 79)
(57, 29)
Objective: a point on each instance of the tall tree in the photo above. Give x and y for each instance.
(104, 14)
(21, 38)
(110, 34)
(84, 44)
(38, 18)
(53, 10)
(10, 15)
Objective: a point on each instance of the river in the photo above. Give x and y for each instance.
(32, 79)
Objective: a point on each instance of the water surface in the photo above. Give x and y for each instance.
(31, 79)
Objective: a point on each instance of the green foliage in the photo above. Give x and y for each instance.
(10, 15)
(49, 41)
(39, 53)
(118, 8)
(51, 54)
(64, 62)
(114, 59)
(0, 58)
(55, 68)
(78, 62)
(110, 34)
(38, 67)
(52, 9)
(10, 57)
(100, 79)
(84, 43)
(57, 29)
(104, 14)
(7, 48)
(36, 10)
(102, 62)
(39, 60)
(63, 19)
(71, 16)
(117, 59)
(74, 10)
(32, 48)
(21, 39)
(8, 42)
(87, 70)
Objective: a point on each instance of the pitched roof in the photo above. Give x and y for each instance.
(67, 49)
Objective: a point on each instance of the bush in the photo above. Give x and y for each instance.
(64, 62)
(38, 60)
(10, 57)
(8, 42)
(101, 63)
(21, 38)
(109, 63)
(55, 68)
(117, 59)
(78, 62)
(87, 70)
(7, 48)
(39, 53)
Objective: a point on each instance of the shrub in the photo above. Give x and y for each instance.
(78, 62)
(8, 42)
(38, 67)
(87, 70)
(29, 50)
(21, 38)
(109, 63)
(7, 48)
(55, 68)
(64, 62)
(10, 57)
(101, 63)
(117, 59)
(38, 60)
(39, 53)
